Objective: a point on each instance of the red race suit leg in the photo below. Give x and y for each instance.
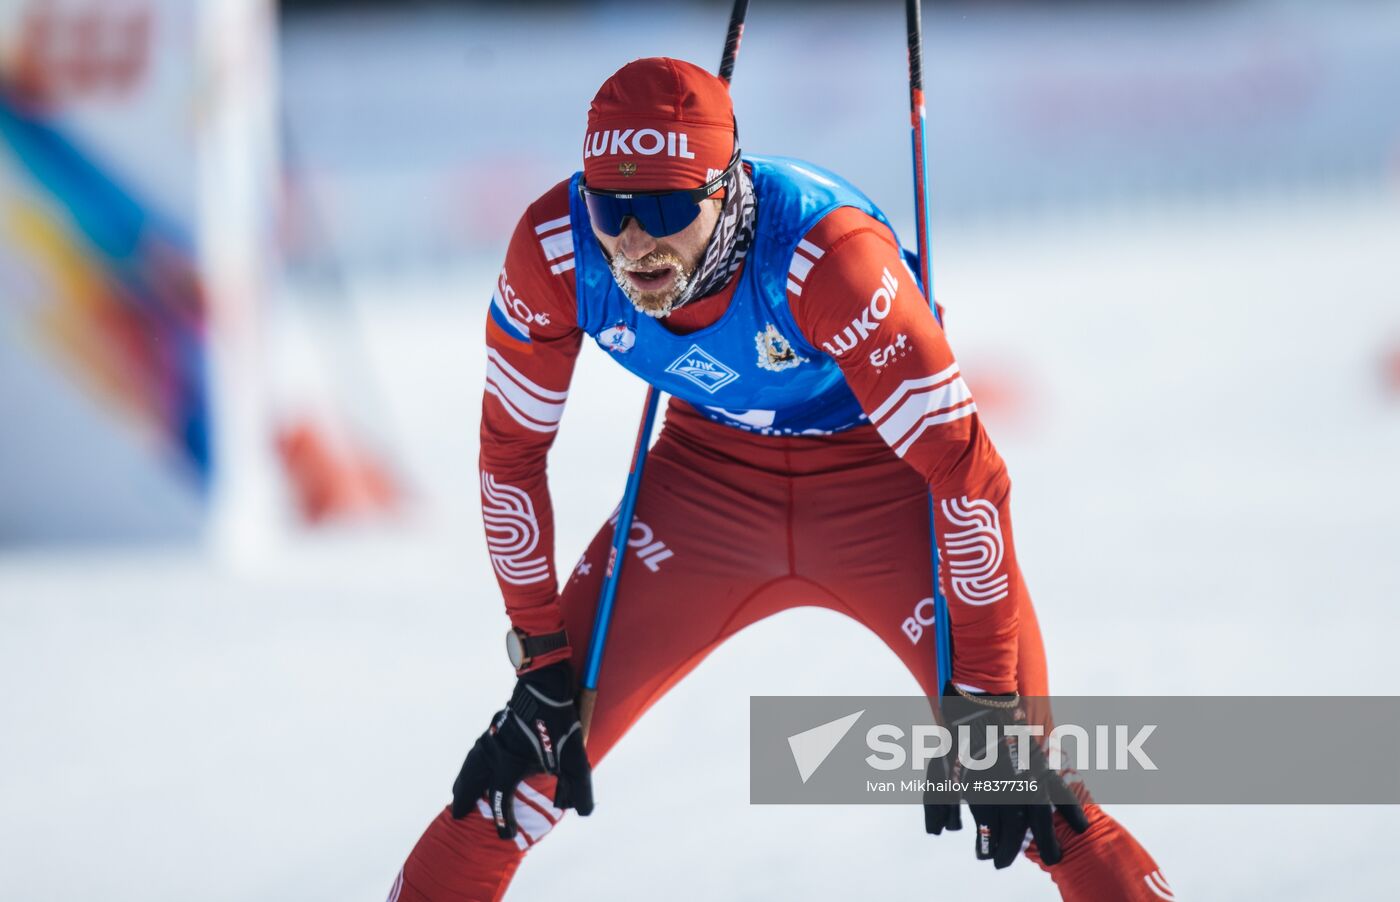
(730, 528)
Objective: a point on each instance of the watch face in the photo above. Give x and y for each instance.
(515, 650)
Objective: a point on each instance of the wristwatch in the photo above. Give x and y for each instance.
(523, 649)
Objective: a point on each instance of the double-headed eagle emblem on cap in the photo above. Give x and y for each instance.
(627, 169)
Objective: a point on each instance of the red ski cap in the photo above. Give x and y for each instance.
(658, 124)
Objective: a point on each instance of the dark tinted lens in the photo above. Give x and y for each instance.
(607, 212)
(658, 214)
(669, 213)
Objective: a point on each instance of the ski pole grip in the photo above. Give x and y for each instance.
(587, 698)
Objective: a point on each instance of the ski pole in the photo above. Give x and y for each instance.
(731, 40)
(943, 640)
(602, 619)
(597, 643)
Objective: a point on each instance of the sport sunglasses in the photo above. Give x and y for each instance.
(660, 213)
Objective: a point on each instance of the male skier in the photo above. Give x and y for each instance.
(815, 406)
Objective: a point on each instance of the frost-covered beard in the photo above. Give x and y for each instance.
(655, 304)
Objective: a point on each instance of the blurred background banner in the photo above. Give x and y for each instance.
(136, 201)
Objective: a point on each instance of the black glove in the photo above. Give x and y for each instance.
(538, 731)
(942, 807)
(1002, 814)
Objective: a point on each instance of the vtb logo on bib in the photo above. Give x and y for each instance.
(702, 369)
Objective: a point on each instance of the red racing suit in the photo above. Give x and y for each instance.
(732, 526)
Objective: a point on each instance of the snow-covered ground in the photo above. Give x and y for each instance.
(1194, 410)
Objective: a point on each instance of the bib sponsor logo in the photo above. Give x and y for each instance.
(618, 339)
(702, 369)
(639, 142)
(775, 352)
(861, 328)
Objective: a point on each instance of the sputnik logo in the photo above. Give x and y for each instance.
(812, 747)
